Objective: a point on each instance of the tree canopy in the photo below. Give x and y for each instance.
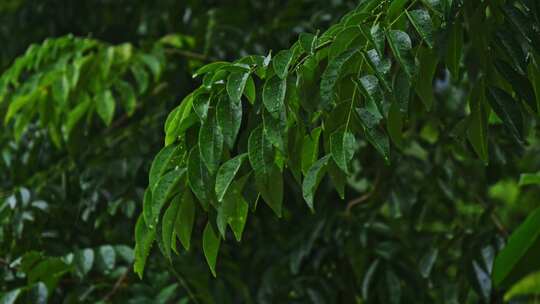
(270, 152)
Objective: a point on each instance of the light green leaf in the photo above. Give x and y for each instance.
(105, 106)
(226, 174)
(211, 244)
(520, 255)
(529, 179)
(75, 115)
(179, 120)
(185, 218)
(308, 42)
(152, 62)
(529, 285)
(312, 180)
(236, 82)
(211, 142)
(210, 68)
(229, 117)
(401, 46)
(421, 21)
(274, 95)
(342, 147)
(143, 243)
(281, 63)
(60, 90)
(127, 96)
(141, 77)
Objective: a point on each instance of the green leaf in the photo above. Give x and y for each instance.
(201, 104)
(275, 129)
(226, 174)
(401, 46)
(369, 87)
(200, 180)
(211, 142)
(478, 123)
(236, 84)
(508, 110)
(211, 244)
(281, 63)
(454, 49)
(424, 85)
(11, 296)
(234, 209)
(106, 257)
(519, 83)
(75, 115)
(307, 42)
(147, 207)
(167, 159)
(168, 224)
(179, 120)
(144, 238)
(185, 218)
(395, 10)
(380, 66)
(421, 21)
(211, 67)
(427, 261)
(310, 149)
(370, 122)
(105, 106)
(274, 95)
(330, 77)
(249, 90)
(229, 117)
(165, 188)
(60, 90)
(342, 147)
(529, 285)
(529, 179)
(141, 77)
(127, 96)
(83, 260)
(260, 152)
(394, 124)
(312, 180)
(520, 255)
(268, 178)
(152, 62)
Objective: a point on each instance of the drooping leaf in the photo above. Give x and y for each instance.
(211, 142)
(508, 111)
(331, 76)
(478, 124)
(401, 46)
(380, 66)
(424, 85)
(211, 243)
(519, 83)
(312, 180)
(310, 149)
(200, 180)
(427, 261)
(226, 174)
(165, 188)
(229, 117)
(454, 49)
(275, 129)
(281, 63)
(105, 106)
(234, 209)
(168, 224)
(83, 260)
(167, 159)
(342, 147)
(421, 21)
(274, 95)
(127, 96)
(185, 218)
(236, 84)
(519, 256)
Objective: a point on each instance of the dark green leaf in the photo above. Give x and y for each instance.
(229, 117)
(274, 95)
(421, 21)
(281, 63)
(342, 146)
(312, 180)
(236, 84)
(226, 174)
(331, 75)
(211, 142)
(211, 244)
(165, 188)
(185, 218)
(401, 46)
(508, 111)
(200, 180)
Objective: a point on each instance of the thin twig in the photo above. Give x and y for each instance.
(364, 197)
(116, 286)
(184, 284)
